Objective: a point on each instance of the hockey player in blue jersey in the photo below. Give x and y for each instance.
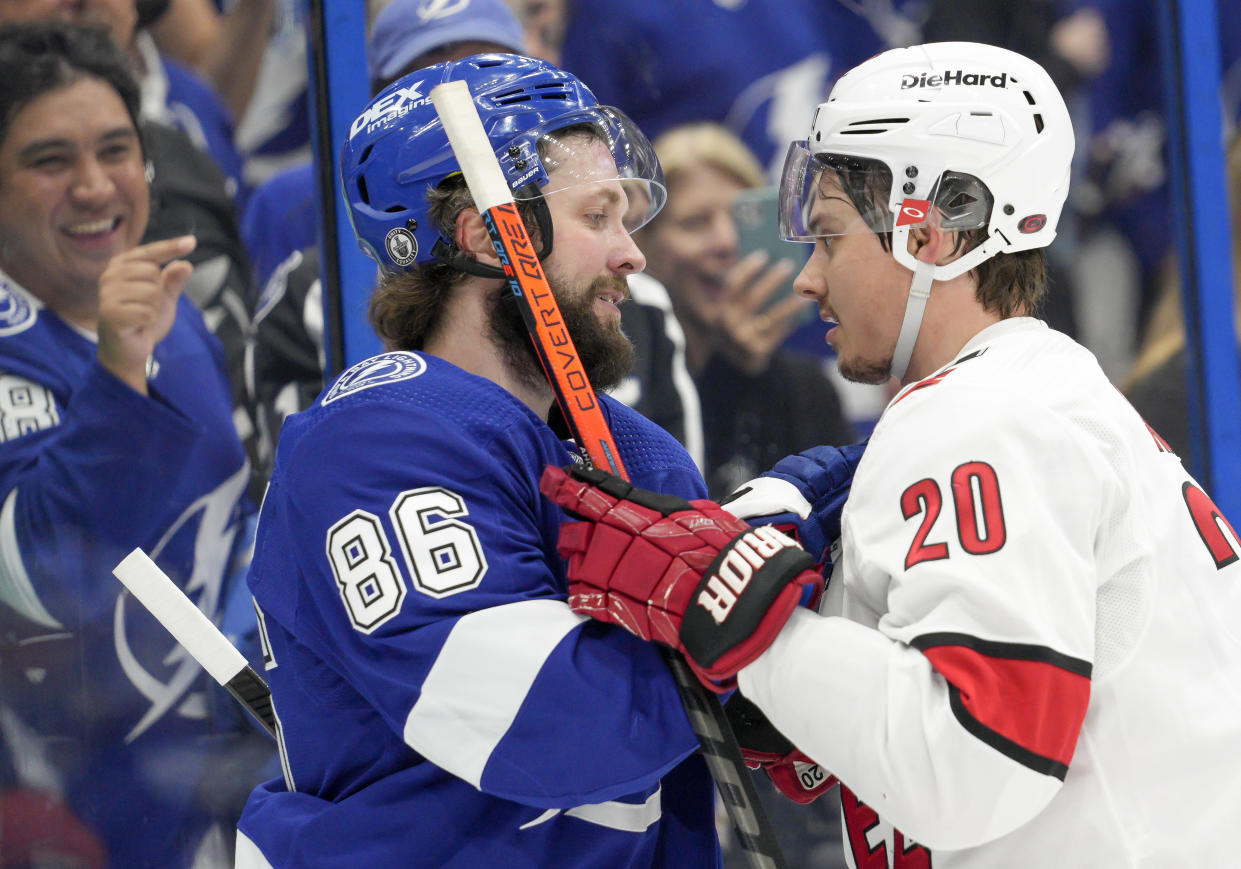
(116, 431)
(439, 704)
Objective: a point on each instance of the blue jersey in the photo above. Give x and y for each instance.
(114, 715)
(199, 111)
(439, 703)
(279, 219)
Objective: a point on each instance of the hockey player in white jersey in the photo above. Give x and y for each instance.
(1027, 654)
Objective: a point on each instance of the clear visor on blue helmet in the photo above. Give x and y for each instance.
(595, 146)
(826, 195)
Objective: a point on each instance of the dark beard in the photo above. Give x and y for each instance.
(867, 372)
(605, 352)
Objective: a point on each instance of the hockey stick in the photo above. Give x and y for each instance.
(193, 630)
(528, 283)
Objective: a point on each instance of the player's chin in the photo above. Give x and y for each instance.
(609, 361)
(858, 370)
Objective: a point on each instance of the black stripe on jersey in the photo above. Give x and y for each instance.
(1013, 651)
(1003, 744)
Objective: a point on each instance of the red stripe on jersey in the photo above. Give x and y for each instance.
(1034, 704)
(923, 384)
(938, 378)
(1159, 442)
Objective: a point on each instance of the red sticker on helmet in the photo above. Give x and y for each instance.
(913, 211)
(1033, 223)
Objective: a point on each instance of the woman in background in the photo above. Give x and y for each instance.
(759, 402)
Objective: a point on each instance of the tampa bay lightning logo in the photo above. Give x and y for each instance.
(170, 679)
(376, 371)
(16, 312)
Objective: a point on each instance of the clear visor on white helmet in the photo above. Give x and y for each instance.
(826, 195)
(601, 147)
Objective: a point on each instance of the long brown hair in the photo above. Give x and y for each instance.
(406, 306)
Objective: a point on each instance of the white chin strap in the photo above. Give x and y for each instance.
(920, 288)
(919, 292)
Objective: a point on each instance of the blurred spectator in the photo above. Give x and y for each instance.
(274, 131)
(280, 218)
(1066, 37)
(759, 402)
(189, 193)
(1124, 198)
(286, 360)
(171, 93)
(117, 432)
(751, 66)
(177, 95)
(543, 22)
(263, 78)
(218, 44)
(1156, 383)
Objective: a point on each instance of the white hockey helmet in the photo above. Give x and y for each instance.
(979, 132)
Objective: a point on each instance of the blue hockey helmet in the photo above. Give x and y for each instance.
(397, 152)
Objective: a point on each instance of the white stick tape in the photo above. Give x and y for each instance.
(455, 106)
(177, 613)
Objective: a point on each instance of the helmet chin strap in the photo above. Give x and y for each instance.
(919, 292)
(920, 289)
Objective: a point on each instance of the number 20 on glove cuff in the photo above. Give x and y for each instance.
(799, 778)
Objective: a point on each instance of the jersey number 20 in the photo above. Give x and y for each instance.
(980, 515)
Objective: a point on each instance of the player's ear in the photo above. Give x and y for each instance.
(931, 244)
(471, 237)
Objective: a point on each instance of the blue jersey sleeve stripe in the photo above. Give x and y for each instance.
(248, 855)
(613, 814)
(479, 680)
(628, 817)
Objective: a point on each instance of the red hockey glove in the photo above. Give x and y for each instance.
(691, 576)
(764, 747)
(799, 778)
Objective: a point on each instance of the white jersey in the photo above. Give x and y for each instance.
(1039, 660)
